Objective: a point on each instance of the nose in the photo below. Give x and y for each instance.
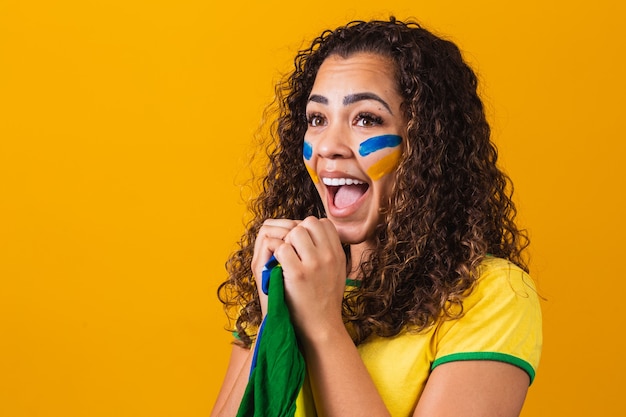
(334, 143)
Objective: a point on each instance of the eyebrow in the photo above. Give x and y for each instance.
(318, 99)
(351, 99)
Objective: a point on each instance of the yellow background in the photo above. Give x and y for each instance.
(124, 132)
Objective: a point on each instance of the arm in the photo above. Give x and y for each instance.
(465, 388)
(502, 315)
(234, 385)
(314, 269)
(233, 388)
(340, 381)
(473, 389)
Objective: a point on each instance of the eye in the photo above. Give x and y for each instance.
(368, 120)
(315, 120)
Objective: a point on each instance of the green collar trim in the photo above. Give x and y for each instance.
(353, 282)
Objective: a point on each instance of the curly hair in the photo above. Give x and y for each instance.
(450, 206)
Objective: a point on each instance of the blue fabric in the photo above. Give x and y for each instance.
(265, 286)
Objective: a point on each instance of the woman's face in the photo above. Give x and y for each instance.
(354, 140)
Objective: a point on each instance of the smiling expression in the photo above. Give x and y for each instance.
(354, 140)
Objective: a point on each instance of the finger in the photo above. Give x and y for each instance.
(315, 240)
(263, 251)
(287, 257)
(272, 229)
(300, 238)
(285, 223)
(321, 232)
(278, 232)
(331, 233)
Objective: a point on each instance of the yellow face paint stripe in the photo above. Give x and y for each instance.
(312, 173)
(384, 166)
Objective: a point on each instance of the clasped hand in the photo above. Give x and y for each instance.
(314, 270)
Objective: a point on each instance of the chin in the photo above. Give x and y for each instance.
(352, 237)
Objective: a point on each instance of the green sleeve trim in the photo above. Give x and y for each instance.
(236, 335)
(487, 356)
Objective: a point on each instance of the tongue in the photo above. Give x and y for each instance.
(348, 195)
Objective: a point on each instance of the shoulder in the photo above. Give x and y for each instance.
(500, 277)
(503, 292)
(500, 320)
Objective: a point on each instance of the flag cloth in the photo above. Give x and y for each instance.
(278, 368)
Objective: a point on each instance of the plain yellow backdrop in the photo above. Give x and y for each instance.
(125, 128)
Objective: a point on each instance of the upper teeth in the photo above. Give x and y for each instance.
(341, 181)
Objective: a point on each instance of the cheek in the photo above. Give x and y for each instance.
(382, 154)
(307, 154)
(383, 165)
(378, 143)
(307, 150)
(311, 172)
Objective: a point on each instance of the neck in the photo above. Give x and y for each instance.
(359, 253)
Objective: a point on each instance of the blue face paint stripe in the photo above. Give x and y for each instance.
(379, 142)
(307, 150)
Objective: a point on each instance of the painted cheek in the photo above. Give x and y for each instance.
(384, 166)
(312, 173)
(307, 153)
(377, 143)
(307, 150)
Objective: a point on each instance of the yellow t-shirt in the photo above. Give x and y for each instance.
(501, 321)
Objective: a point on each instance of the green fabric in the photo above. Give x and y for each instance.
(277, 378)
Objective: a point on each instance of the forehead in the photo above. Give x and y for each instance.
(361, 71)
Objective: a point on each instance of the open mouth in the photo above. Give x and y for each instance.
(344, 192)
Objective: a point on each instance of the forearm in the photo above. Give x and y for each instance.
(340, 381)
(235, 382)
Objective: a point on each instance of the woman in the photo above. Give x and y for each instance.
(383, 172)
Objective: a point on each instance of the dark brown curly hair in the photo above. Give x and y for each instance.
(450, 207)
